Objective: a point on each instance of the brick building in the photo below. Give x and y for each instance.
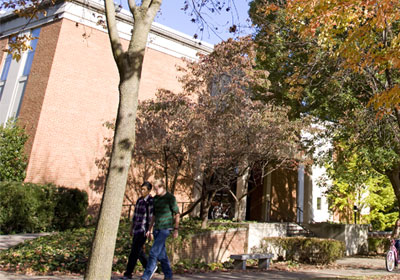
(66, 88)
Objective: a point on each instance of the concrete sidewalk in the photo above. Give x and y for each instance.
(7, 241)
(371, 268)
(346, 267)
(271, 274)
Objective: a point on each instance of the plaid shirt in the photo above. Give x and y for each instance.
(142, 215)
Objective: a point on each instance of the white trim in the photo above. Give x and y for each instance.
(12, 87)
(87, 12)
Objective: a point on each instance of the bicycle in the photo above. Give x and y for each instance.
(220, 211)
(391, 256)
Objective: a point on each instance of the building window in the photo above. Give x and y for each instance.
(4, 73)
(31, 53)
(318, 203)
(13, 80)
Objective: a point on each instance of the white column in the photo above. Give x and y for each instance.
(300, 193)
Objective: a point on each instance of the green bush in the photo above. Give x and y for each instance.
(70, 210)
(306, 250)
(378, 245)
(64, 252)
(27, 207)
(13, 161)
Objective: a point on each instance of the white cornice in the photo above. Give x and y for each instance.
(88, 12)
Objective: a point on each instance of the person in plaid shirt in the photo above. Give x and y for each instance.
(165, 220)
(140, 224)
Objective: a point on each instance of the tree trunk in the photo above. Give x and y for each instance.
(203, 207)
(206, 204)
(204, 215)
(241, 190)
(130, 65)
(103, 246)
(394, 177)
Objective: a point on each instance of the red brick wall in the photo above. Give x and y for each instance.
(214, 246)
(80, 96)
(36, 87)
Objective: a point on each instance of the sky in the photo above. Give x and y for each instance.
(172, 15)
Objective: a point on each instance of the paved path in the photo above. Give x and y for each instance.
(346, 267)
(271, 274)
(7, 241)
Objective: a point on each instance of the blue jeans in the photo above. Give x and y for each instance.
(158, 252)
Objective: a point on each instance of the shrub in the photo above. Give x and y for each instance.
(64, 252)
(71, 208)
(27, 207)
(12, 158)
(378, 245)
(305, 250)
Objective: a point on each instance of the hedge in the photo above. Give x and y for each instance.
(13, 160)
(305, 249)
(378, 245)
(27, 207)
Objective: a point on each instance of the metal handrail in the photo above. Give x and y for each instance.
(133, 205)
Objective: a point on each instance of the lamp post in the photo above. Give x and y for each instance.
(355, 210)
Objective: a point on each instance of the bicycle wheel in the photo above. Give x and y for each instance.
(390, 260)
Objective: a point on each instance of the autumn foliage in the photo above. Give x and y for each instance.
(364, 33)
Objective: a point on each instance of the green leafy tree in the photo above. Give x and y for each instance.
(332, 74)
(302, 75)
(383, 205)
(13, 160)
(364, 34)
(355, 183)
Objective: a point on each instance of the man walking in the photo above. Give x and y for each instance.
(165, 219)
(140, 225)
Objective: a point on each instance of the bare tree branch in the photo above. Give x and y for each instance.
(192, 207)
(147, 3)
(132, 7)
(113, 32)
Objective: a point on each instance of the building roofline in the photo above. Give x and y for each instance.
(122, 16)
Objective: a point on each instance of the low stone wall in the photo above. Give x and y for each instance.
(354, 236)
(258, 231)
(215, 246)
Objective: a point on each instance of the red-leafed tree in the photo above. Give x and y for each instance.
(164, 130)
(217, 127)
